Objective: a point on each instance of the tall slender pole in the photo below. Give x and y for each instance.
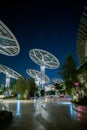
(42, 77)
(7, 81)
(42, 83)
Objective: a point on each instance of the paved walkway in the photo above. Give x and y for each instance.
(41, 114)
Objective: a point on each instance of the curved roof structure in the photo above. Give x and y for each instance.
(56, 80)
(36, 75)
(44, 58)
(82, 38)
(82, 67)
(9, 72)
(8, 43)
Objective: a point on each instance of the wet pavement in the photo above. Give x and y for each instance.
(43, 114)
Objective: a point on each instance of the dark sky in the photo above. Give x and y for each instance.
(47, 25)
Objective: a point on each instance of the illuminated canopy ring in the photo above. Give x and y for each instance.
(11, 73)
(8, 43)
(36, 75)
(44, 58)
(56, 80)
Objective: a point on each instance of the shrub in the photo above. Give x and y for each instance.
(5, 118)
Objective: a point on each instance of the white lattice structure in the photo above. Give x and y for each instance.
(37, 76)
(45, 60)
(9, 74)
(8, 43)
(58, 81)
(48, 87)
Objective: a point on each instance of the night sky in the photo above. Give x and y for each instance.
(51, 26)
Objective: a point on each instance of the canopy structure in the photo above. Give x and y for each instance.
(45, 60)
(58, 81)
(37, 76)
(9, 74)
(48, 87)
(8, 43)
(82, 37)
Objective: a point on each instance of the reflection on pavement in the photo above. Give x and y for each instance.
(74, 114)
(43, 114)
(18, 109)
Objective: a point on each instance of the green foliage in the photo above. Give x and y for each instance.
(9, 97)
(5, 118)
(68, 70)
(58, 87)
(69, 73)
(82, 101)
(1, 88)
(31, 86)
(12, 85)
(20, 86)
